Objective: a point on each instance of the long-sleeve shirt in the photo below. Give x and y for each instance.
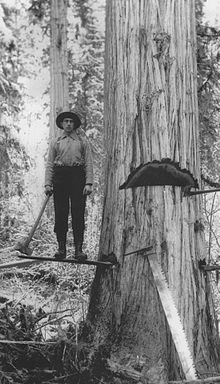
(69, 150)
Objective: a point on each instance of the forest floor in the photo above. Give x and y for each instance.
(42, 308)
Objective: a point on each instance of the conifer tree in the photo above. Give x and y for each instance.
(13, 158)
(151, 113)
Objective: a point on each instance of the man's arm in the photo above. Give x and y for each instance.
(50, 166)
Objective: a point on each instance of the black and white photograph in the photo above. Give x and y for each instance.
(109, 191)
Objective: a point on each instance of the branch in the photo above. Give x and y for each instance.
(208, 380)
(205, 81)
(122, 371)
(27, 342)
(19, 263)
(210, 267)
(214, 34)
(131, 373)
(210, 182)
(50, 322)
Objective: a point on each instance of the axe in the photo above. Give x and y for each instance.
(23, 246)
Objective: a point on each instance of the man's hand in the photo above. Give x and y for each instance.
(48, 190)
(87, 189)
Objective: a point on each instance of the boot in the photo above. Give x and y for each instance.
(79, 254)
(61, 253)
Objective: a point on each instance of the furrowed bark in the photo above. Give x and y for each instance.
(151, 113)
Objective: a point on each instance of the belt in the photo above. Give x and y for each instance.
(68, 166)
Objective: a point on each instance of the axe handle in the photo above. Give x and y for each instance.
(33, 229)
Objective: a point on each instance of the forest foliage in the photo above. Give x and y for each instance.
(208, 59)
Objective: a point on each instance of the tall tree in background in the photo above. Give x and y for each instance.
(13, 159)
(86, 95)
(59, 94)
(86, 77)
(151, 113)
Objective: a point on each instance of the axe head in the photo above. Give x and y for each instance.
(23, 248)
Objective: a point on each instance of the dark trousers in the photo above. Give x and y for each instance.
(68, 185)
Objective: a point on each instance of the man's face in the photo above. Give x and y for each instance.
(68, 125)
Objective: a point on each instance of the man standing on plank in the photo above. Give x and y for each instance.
(69, 176)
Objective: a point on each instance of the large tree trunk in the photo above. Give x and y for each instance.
(58, 62)
(151, 113)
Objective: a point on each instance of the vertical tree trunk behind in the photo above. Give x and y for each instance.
(58, 62)
(151, 113)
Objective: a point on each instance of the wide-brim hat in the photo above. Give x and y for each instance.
(70, 115)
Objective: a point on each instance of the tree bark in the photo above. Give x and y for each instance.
(58, 62)
(151, 113)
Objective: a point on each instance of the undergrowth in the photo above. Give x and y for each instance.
(41, 311)
(25, 356)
